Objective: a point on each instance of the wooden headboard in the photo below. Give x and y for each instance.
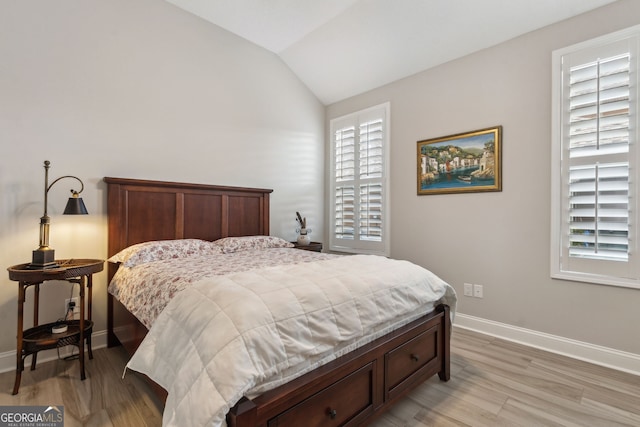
(143, 210)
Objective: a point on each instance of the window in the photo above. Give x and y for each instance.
(596, 159)
(359, 185)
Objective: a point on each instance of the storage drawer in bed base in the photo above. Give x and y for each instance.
(380, 373)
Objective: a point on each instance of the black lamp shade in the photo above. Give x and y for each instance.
(75, 206)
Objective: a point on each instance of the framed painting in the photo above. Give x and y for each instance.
(462, 163)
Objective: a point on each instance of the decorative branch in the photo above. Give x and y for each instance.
(302, 221)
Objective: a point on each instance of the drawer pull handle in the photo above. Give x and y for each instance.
(332, 413)
(415, 357)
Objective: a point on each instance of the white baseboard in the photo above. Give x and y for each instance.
(603, 356)
(8, 358)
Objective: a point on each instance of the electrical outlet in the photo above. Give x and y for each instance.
(76, 308)
(468, 290)
(478, 291)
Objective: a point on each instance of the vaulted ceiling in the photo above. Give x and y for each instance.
(340, 48)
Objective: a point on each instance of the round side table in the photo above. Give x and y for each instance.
(40, 337)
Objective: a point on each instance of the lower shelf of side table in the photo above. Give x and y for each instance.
(41, 338)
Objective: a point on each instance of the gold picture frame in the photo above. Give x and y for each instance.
(467, 162)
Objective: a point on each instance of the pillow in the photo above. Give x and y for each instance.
(158, 250)
(236, 244)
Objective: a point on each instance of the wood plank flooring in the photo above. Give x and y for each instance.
(493, 383)
(104, 399)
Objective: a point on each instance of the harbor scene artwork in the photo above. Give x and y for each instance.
(461, 163)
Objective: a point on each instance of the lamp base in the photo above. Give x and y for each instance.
(43, 259)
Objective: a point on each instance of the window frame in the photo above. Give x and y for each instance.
(357, 245)
(590, 269)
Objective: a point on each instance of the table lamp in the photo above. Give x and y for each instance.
(44, 256)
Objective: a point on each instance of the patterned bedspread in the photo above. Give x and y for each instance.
(147, 288)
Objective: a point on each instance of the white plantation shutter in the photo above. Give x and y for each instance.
(595, 194)
(370, 155)
(598, 116)
(599, 211)
(344, 169)
(359, 192)
(370, 217)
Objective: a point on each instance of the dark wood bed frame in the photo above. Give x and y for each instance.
(349, 391)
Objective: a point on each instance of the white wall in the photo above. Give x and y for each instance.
(138, 89)
(500, 240)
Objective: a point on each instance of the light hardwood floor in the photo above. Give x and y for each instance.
(493, 383)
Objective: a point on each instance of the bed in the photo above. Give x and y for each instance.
(351, 386)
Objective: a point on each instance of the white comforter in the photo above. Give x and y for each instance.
(243, 333)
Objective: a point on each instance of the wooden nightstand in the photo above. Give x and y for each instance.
(41, 337)
(313, 246)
